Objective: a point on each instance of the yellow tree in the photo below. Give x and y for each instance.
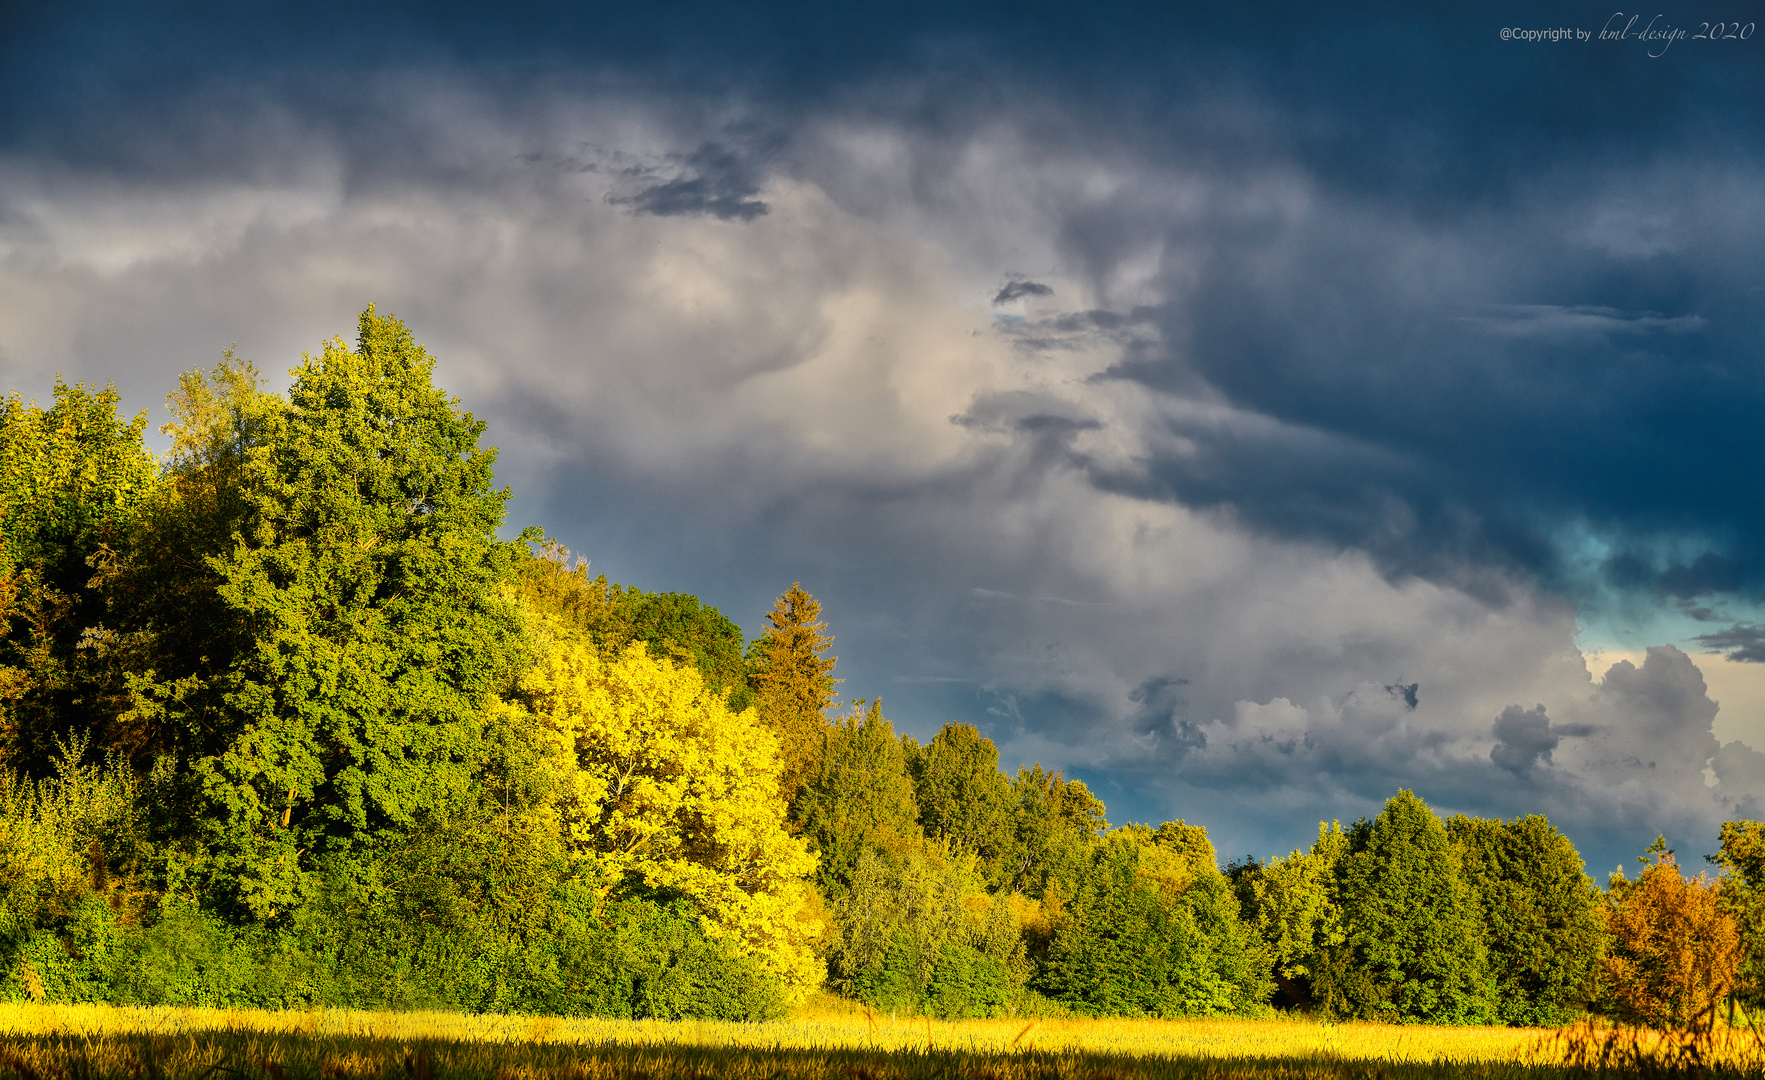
(1674, 951)
(654, 778)
(793, 683)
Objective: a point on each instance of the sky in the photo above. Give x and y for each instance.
(1249, 412)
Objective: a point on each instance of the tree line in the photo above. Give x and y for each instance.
(284, 723)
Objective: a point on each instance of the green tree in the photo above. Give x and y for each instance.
(861, 799)
(72, 480)
(1413, 949)
(1292, 904)
(1742, 858)
(1154, 930)
(1540, 914)
(793, 683)
(175, 636)
(963, 799)
(1054, 824)
(363, 582)
(918, 934)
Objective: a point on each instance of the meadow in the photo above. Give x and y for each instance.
(828, 1039)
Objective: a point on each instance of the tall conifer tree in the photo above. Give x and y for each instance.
(793, 683)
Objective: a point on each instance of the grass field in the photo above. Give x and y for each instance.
(41, 1042)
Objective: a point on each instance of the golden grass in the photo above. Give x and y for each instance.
(76, 1042)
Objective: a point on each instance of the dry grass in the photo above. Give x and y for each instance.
(48, 1042)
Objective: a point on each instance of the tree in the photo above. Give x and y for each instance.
(1294, 909)
(361, 586)
(917, 933)
(1540, 913)
(861, 799)
(1674, 951)
(72, 480)
(1742, 858)
(1054, 824)
(1413, 948)
(174, 635)
(962, 796)
(655, 780)
(793, 683)
(1154, 929)
(675, 625)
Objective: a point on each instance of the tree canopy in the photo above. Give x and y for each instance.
(287, 721)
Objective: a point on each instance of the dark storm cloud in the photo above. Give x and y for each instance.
(1431, 438)
(1742, 641)
(1709, 573)
(1524, 737)
(1017, 290)
(712, 181)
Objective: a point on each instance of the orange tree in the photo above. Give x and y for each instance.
(1674, 951)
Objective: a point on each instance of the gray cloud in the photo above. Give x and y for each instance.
(1558, 321)
(1709, 573)
(1017, 290)
(1524, 737)
(1742, 641)
(712, 181)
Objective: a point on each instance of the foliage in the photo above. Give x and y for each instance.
(1293, 902)
(72, 480)
(962, 797)
(360, 590)
(793, 683)
(919, 935)
(1540, 916)
(1153, 930)
(1413, 944)
(655, 779)
(1054, 824)
(860, 799)
(612, 616)
(1742, 858)
(71, 852)
(1674, 950)
(173, 635)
